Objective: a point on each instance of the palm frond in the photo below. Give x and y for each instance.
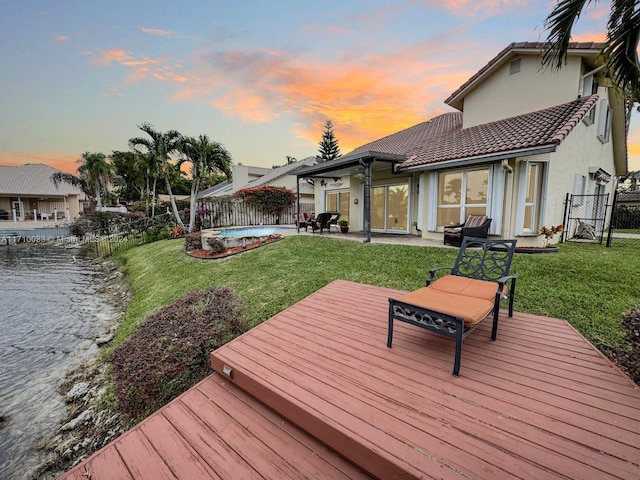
(559, 24)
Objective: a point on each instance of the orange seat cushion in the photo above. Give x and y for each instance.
(471, 309)
(467, 287)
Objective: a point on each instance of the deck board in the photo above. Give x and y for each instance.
(540, 402)
(315, 393)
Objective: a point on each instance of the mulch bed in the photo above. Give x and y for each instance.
(207, 255)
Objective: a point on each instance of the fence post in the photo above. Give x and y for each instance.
(611, 218)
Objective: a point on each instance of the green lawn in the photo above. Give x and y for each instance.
(588, 285)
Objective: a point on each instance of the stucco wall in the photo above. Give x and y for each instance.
(502, 95)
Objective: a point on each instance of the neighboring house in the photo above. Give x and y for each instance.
(251, 177)
(29, 190)
(629, 199)
(522, 138)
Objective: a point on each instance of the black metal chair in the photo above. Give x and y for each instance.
(324, 221)
(476, 226)
(454, 305)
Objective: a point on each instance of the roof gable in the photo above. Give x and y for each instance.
(590, 51)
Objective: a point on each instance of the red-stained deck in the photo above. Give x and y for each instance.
(539, 403)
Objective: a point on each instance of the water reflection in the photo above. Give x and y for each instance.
(49, 316)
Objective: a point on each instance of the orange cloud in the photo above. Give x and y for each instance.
(61, 161)
(366, 98)
(633, 151)
(108, 56)
(61, 38)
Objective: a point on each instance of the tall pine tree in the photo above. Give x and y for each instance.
(329, 149)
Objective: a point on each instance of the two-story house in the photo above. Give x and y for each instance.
(520, 140)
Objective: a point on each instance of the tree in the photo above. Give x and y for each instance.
(205, 157)
(127, 167)
(620, 47)
(95, 175)
(160, 146)
(329, 149)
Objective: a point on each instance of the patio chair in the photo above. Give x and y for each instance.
(324, 221)
(454, 305)
(476, 226)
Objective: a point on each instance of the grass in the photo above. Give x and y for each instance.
(588, 285)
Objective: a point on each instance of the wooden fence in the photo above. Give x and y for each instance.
(227, 212)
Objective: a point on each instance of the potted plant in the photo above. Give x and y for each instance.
(344, 226)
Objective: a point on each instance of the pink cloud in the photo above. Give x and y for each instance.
(473, 8)
(61, 38)
(155, 31)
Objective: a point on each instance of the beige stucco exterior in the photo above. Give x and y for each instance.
(583, 162)
(504, 94)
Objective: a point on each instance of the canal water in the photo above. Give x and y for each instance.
(50, 313)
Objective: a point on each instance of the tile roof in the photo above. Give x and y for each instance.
(33, 179)
(518, 47)
(443, 138)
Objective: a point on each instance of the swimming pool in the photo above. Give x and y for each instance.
(241, 236)
(257, 231)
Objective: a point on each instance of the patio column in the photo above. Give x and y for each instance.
(366, 163)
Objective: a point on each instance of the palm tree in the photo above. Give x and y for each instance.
(205, 157)
(95, 175)
(620, 47)
(160, 146)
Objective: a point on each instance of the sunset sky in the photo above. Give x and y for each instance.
(260, 77)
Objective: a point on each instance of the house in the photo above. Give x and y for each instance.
(30, 192)
(244, 176)
(518, 141)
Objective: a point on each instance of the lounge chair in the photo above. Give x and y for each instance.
(454, 305)
(476, 226)
(324, 221)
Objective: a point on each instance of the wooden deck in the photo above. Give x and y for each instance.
(539, 403)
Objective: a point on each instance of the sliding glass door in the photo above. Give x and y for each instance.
(390, 208)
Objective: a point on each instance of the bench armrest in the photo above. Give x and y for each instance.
(432, 274)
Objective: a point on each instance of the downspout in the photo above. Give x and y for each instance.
(366, 163)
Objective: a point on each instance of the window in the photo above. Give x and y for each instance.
(604, 121)
(530, 197)
(514, 67)
(579, 185)
(589, 87)
(338, 202)
(461, 194)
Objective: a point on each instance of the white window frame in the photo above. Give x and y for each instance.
(463, 191)
(604, 121)
(538, 203)
(589, 87)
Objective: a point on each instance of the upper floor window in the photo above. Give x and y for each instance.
(604, 121)
(514, 67)
(589, 87)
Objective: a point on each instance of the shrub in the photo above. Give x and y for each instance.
(193, 241)
(630, 359)
(169, 352)
(271, 200)
(216, 246)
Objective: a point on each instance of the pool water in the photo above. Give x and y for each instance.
(253, 231)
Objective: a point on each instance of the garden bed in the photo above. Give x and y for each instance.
(209, 255)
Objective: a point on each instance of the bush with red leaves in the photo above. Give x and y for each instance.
(630, 359)
(169, 352)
